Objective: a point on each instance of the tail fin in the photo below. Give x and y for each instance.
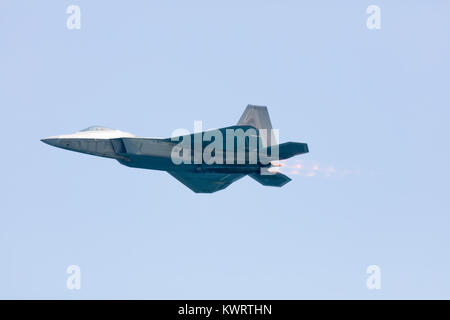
(258, 117)
(273, 180)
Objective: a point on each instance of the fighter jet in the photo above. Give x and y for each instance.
(206, 161)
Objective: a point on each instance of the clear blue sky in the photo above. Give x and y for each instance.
(372, 104)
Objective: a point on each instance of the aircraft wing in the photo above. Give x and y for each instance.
(205, 182)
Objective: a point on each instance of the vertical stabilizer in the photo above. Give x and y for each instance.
(258, 117)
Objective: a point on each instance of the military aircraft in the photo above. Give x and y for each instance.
(206, 161)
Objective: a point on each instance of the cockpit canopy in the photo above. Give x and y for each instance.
(96, 128)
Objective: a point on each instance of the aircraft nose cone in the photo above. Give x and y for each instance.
(50, 141)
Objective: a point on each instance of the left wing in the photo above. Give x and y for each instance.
(206, 182)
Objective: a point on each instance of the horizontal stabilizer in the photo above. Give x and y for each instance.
(289, 149)
(273, 180)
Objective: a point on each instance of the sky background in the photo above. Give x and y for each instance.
(373, 106)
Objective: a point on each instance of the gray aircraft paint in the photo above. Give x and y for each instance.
(156, 153)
